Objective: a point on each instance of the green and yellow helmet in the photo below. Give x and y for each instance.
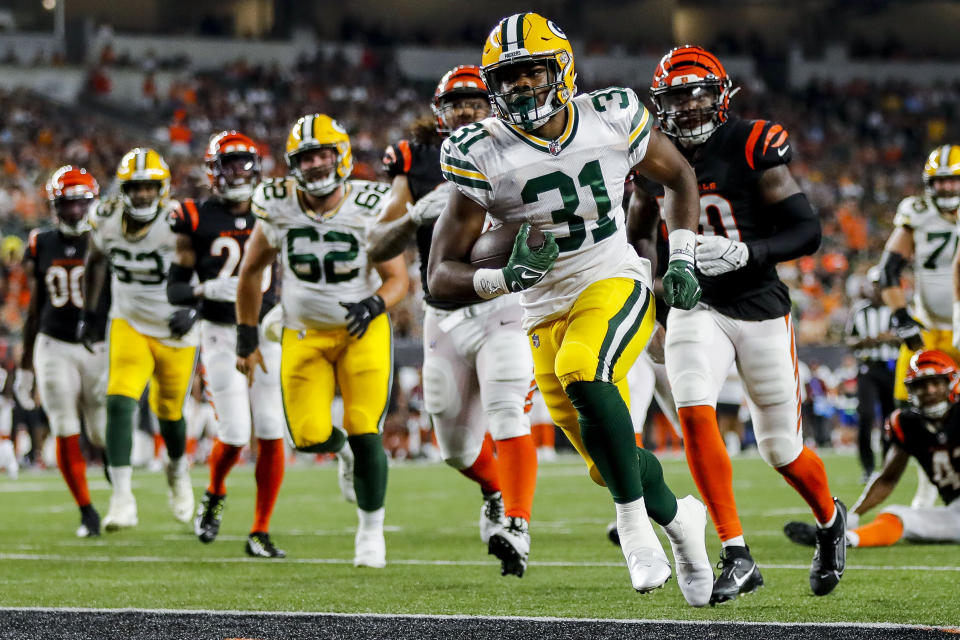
(138, 166)
(318, 131)
(526, 38)
(943, 162)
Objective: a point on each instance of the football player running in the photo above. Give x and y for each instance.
(928, 429)
(752, 216)
(150, 340)
(558, 162)
(211, 236)
(70, 380)
(335, 329)
(476, 363)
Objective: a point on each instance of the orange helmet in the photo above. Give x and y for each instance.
(691, 92)
(233, 165)
(71, 192)
(928, 364)
(462, 79)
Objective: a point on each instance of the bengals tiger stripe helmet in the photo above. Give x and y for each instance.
(691, 92)
(138, 166)
(526, 38)
(923, 366)
(233, 165)
(943, 167)
(463, 80)
(318, 131)
(71, 192)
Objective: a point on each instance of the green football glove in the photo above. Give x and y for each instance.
(526, 267)
(680, 286)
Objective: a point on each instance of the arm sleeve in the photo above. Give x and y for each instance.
(767, 145)
(463, 171)
(798, 232)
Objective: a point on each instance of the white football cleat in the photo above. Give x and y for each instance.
(180, 495)
(345, 473)
(686, 535)
(370, 549)
(648, 569)
(8, 459)
(122, 513)
(491, 516)
(646, 561)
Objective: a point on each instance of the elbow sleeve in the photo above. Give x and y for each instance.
(179, 289)
(891, 267)
(798, 232)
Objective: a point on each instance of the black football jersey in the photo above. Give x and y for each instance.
(937, 451)
(421, 164)
(728, 167)
(218, 238)
(58, 268)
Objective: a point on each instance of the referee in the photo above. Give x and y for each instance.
(876, 350)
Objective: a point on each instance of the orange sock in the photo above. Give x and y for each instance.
(517, 467)
(885, 530)
(269, 475)
(222, 458)
(710, 466)
(638, 438)
(544, 435)
(73, 468)
(807, 475)
(191, 449)
(483, 471)
(158, 444)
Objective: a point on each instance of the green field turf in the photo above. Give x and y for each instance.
(436, 563)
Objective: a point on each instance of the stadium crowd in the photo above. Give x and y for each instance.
(859, 150)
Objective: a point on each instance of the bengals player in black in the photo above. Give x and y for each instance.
(476, 356)
(753, 215)
(211, 236)
(929, 431)
(70, 375)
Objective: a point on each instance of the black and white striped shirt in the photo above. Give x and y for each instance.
(869, 320)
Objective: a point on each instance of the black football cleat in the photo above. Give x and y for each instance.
(830, 558)
(511, 545)
(89, 522)
(739, 574)
(206, 524)
(612, 534)
(259, 545)
(801, 533)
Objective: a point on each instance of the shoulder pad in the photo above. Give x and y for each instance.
(109, 207)
(32, 241)
(456, 162)
(767, 145)
(398, 158)
(625, 112)
(186, 218)
(910, 211)
(268, 194)
(893, 427)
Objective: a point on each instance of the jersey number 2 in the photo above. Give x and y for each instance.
(231, 247)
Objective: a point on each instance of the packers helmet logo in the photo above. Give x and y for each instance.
(336, 126)
(557, 31)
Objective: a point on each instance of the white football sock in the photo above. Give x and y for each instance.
(371, 520)
(122, 480)
(633, 525)
(736, 541)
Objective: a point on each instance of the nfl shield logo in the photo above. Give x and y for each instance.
(536, 341)
(554, 148)
(241, 223)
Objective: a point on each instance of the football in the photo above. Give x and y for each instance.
(492, 249)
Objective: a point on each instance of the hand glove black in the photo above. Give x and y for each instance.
(907, 329)
(88, 333)
(361, 314)
(181, 321)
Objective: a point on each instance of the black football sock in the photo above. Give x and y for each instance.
(607, 434)
(660, 502)
(120, 410)
(174, 434)
(369, 470)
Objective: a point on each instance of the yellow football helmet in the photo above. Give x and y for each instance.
(943, 162)
(318, 131)
(526, 38)
(138, 166)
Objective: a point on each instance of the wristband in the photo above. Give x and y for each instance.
(682, 243)
(489, 283)
(248, 337)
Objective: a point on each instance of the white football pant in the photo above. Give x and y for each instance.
(700, 347)
(477, 369)
(71, 381)
(233, 401)
(928, 524)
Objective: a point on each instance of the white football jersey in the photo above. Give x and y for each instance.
(571, 186)
(934, 245)
(322, 258)
(139, 269)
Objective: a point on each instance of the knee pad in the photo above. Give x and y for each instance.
(779, 450)
(575, 362)
(440, 395)
(507, 422)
